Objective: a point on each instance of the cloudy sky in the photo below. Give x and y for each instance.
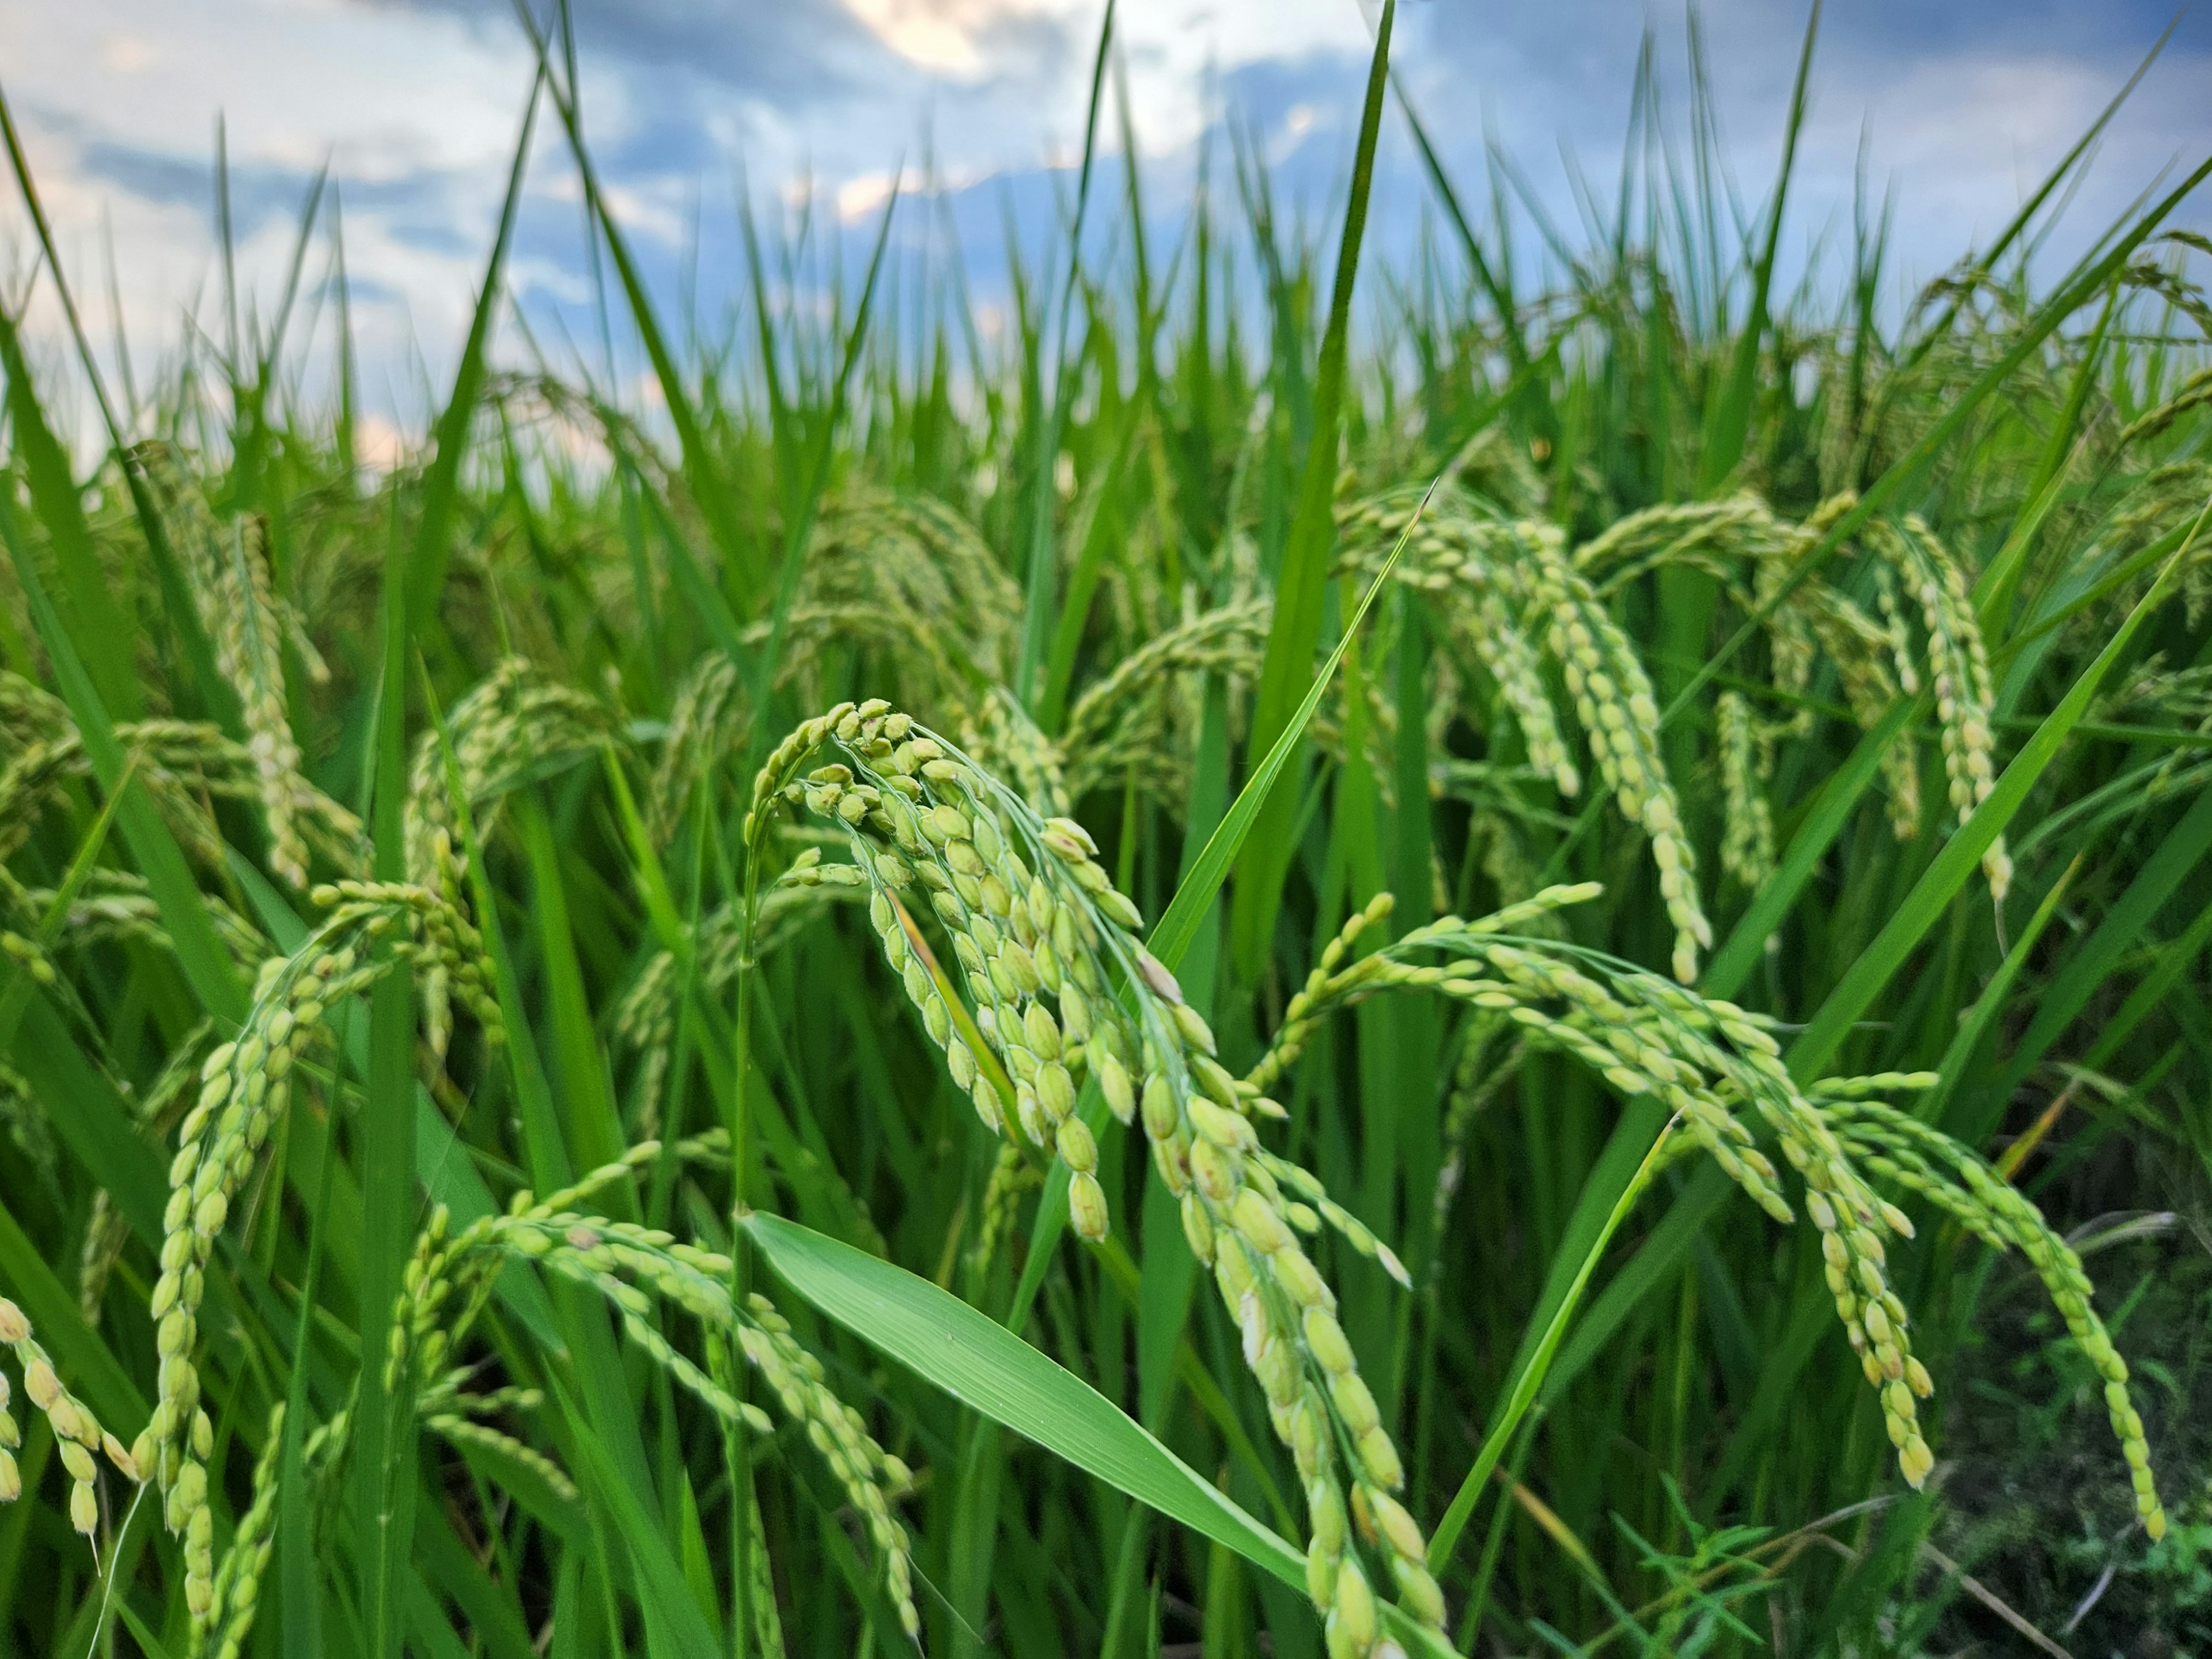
(415, 105)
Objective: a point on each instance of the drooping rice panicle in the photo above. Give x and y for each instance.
(1045, 947)
(77, 1432)
(1748, 842)
(1003, 736)
(246, 1086)
(245, 1561)
(515, 725)
(1719, 1071)
(1134, 719)
(183, 764)
(1931, 1165)
(1515, 581)
(635, 1268)
(1959, 671)
(225, 568)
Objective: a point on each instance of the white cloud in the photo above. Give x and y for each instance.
(416, 112)
(393, 92)
(1170, 49)
(118, 99)
(381, 446)
(123, 53)
(859, 198)
(942, 35)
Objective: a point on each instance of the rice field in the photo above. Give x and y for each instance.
(1499, 952)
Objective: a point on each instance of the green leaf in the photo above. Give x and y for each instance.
(147, 1640)
(1195, 896)
(92, 1119)
(990, 1369)
(1040, 565)
(1975, 1024)
(1302, 580)
(385, 1433)
(111, 652)
(799, 513)
(206, 965)
(708, 490)
(1728, 416)
(674, 1623)
(54, 498)
(300, 1594)
(1732, 963)
(1529, 1374)
(426, 575)
(2180, 854)
(2150, 993)
(1856, 992)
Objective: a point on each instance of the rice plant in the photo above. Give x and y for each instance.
(561, 1002)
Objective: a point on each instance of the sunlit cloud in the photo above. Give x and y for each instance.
(946, 36)
(414, 106)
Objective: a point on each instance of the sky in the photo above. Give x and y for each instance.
(414, 107)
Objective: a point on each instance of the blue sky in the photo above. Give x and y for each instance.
(416, 103)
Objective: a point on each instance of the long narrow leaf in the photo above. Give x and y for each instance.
(987, 1368)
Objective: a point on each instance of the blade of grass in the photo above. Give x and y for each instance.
(1195, 895)
(386, 1157)
(2150, 994)
(1300, 582)
(1863, 981)
(709, 490)
(1979, 1019)
(593, 1127)
(55, 500)
(674, 1623)
(426, 574)
(199, 953)
(987, 1368)
(250, 403)
(1083, 584)
(214, 691)
(1044, 460)
(91, 1118)
(299, 1594)
(1510, 333)
(800, 514)
(2180, 853)
(1529, 1373)
(1728, 417)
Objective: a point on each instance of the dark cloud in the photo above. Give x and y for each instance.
(420, 207)
(1565, 44)
(1961, 101)
(155, 176)
(681, 91)
(792, 57)
(705, 83)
